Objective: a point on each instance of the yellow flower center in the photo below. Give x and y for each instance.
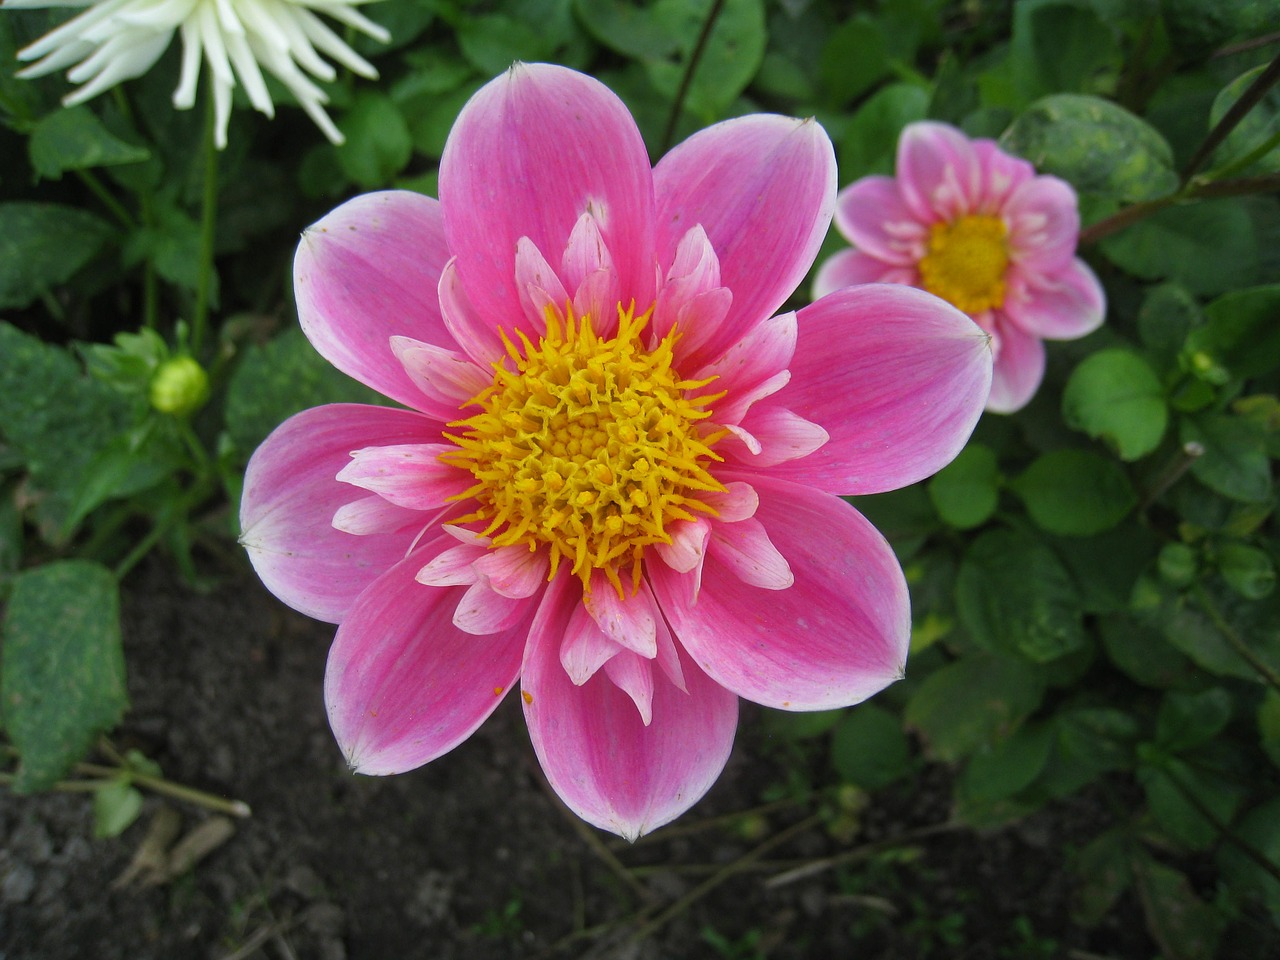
(966, 262)
(592, 447)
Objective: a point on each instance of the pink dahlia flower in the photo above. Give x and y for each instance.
(616, 480)
(975, 226)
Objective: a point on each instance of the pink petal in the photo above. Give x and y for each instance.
(753, 368)
(834, 638)
(445, 379)
(482, 611)
(763, 187)
(847, 268)
(692, 297)
(873, 217)
(737, 502)
(780, 434)
(897, 378)
(291, 495)
(409, 475)
(687, 546)
(468, 329)
(746, 549)
(609, 767)
(367, 272)
(1063, 305)
(633, 675)
(1044, 224)
(373, 515)
(1002, 174)
(453, 567)
(514, 571)
(588, 270)
(938, 172)
(529, 154)
(627, 621)
(1019, 368)
(585, 648)
(538, 286)
(403, 684)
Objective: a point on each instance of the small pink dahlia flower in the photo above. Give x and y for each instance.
(616, 480)
(978, 228)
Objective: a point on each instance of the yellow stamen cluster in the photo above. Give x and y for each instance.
(966, 262)
(592, 447)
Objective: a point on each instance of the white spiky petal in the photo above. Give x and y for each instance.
(115, 40)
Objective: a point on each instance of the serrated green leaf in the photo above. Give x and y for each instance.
(1014, 596)
(1075, 493)
(73, 138)
(869, 748)
(1187, 720)
(1115, 396)
(1170, 783)
(1096, 145)
(966, 491)
(1241, 332)
(973, 702)
(43, 245)
(1167, 315)
(1209, 247)
(63, 672)
(730, 57)
(277, 380)
(1088, 742)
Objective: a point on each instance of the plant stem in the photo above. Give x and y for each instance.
(1231, 119)
(106, 199)
(1180, 463)
(208, 222)
(179, 791)
(699, 48)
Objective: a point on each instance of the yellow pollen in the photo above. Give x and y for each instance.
(590, 447)
(966, 262)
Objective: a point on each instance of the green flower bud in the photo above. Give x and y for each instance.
(1177, 564)
(179, 387)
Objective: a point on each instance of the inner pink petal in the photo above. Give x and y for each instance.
(408, 474)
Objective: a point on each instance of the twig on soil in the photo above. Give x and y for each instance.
(859, 853)
(260, 936)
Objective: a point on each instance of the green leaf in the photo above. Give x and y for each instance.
(1248, 570)
(1071, 48)
(1235, 462)
(1089, 741)
(73, 138)
(63, 673)
(627, 28)
(1260, 829)
(1187, 720)
(116, 805)
(965, 492)
(854, 57)
(1008, 767)
(1115, 396)
(1014, 596)
(493, 42)
(1209, 247)
(1259, 127)
(1169, 782)
(1167, 315)
(277, 380)
(789, 725)
(1096, 145)
(43, 245)
(122, 468)
(973, 702)
(378, 144)
(172, 245)
(731, 57)
(869, 749)
(1184, 926)
(1103, 871)
(1269, 725)
(1142, 653)
(1075, 493)
(1241, 334)
(1106, 566)
(870, 141)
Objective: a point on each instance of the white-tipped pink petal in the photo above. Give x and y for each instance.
(468, 329)
(688, 544)
(608, 766)
(403, 684)
(896, 376)
(585, 648)
(692, 297)
(745, 548)
(529, 154)
(780, 435)
(837, 635)
(447, 379)
(538, 285)
(373, 515)
(873, 217)
(1002, 174)
(633, 675)
(452, 567)
(847, 268)
(1043, 220)
(764, 188)
(409, 475)
(514, 571)
(737, 501)
(753, 368)
(1019, 368)
(938, 172)
(291, 495)
(628, 620)
(1064, 305)
(367, 272)
(588, 271)
(481, 611)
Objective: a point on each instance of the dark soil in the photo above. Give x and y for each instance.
(472, 857)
